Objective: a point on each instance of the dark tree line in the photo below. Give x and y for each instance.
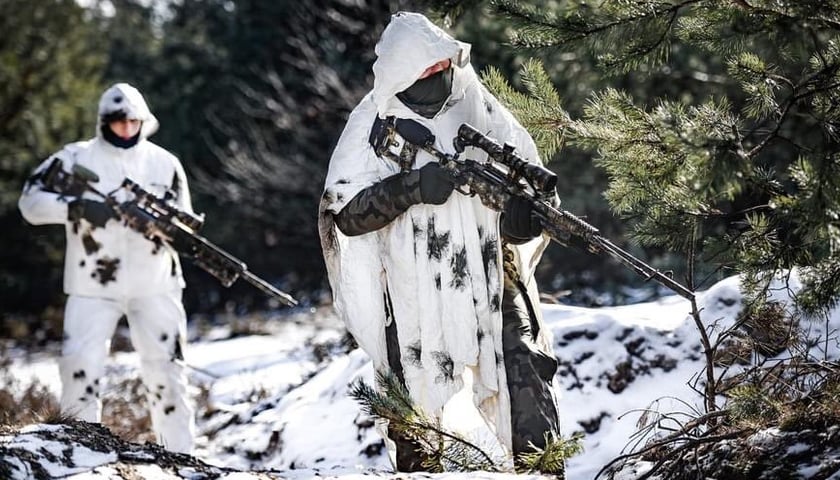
(51, 61)
(256, 93)
(251, 95)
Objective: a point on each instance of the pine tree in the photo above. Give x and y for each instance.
(743, 176)
(51, 61)
(728, 157)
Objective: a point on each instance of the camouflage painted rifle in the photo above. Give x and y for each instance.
(503, 175)
(161, 222)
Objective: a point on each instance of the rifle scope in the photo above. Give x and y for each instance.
(541, 178)
(192, 221)
(84, 174)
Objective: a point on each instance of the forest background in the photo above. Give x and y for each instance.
(251, 95)
(691, 151)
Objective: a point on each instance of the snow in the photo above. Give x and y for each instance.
(278, 406)
(83, 458)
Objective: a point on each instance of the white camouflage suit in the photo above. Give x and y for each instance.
(114, 271)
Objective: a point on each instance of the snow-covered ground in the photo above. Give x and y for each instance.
(279, 400)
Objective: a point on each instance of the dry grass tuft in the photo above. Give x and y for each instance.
(21, 405)
(125, 411)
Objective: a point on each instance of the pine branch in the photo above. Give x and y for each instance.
(552, 458)
(539, 109)
(676, 438)
(640, 29)
(445, 449)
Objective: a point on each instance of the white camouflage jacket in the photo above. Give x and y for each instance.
(114, 261)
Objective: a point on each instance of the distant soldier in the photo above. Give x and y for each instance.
(429, 283)
(111, 270)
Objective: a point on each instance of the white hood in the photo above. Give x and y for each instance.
(409, 45)
(122, 97)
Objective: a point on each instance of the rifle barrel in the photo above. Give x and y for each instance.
(556, 222)
(268, 288)
(642, 268)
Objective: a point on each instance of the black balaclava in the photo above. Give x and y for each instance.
(427, 95)
(112, 137)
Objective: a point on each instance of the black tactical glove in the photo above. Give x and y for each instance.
(436, 184)
(518, 222)
(94, 211)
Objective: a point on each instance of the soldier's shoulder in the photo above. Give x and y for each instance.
(76, 147)
(161, 153)
(72, 150)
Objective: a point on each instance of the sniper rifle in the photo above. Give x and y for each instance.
(159, 221)
(505, 174)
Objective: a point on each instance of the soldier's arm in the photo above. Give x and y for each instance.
(378, 205)
(39, 206)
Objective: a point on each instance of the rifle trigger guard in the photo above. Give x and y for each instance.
(467, 193)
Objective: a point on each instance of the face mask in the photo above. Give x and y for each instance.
(118, 141)
(427, 95)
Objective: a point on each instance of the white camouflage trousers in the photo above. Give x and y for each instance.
(157, 325)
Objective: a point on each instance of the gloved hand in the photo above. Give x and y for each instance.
(518, 221)
(436, 183)
(94, 211)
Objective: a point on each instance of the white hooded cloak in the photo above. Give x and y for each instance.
(441, 265)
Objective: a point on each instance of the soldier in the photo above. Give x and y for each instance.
(430, 283)
(111, 271)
